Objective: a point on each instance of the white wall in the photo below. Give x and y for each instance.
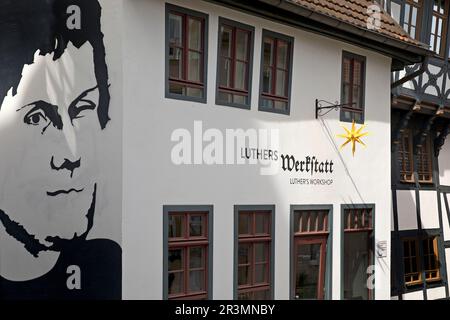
(406, 209)
(429, 213)
(444, 164)
(150, 180)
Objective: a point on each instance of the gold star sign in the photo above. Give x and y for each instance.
(354, 136)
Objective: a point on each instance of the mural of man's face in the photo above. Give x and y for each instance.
(47, 137)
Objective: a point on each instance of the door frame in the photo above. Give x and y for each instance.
(328, 254)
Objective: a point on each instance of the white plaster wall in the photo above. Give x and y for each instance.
(444, 164)
(406, 208)
(445, 222)
(150, 180)
(416, 295)
(436, 293)
(429, 213)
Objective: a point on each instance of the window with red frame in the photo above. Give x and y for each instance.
(186, 45)
(188, 255)
(235, 59)
(353, 87)
(254, 255)
(276, 72)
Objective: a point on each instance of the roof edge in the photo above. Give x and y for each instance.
(289, 13)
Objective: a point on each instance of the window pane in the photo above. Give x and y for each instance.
(244, 251)
(176, 259)
(280, 105)
(356, 99)
(195, 34)
(196, 257)
(245, 296)
(282, 54)
(194, 92)
(240, 99)
(242, 40)
(395, 11)
(261, 295)
(321, 218)
(240, 76)
(262, 223)
(313, 221)
(245, 222)
(225, 45)
(267, 80)
(225, 72)
(196, 226)
(225, 97)
(346, 70)
(267, 103)
(268, 52)
(194, 67)
(260, 273)
(176, 63)
(176, 226)
(308, 271)
(243, 275)
(177, 88)
(357, 73)
(281, 83)
(196, 281)
(261, 250)
(176, 282)
(175, 30)
(356, 262)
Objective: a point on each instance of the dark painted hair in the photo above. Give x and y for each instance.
(30, 25)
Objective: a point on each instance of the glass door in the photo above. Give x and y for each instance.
(309, 276)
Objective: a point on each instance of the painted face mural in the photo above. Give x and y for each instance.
(54, 95)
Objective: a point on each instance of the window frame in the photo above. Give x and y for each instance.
(414, 161)
(291, 43)
(271, 276)
(363, 60)
(251, 30)
(415, 235)
(184, 242)
(195, 14)
(344, 207)
(443, 40)
(329, 246)
(420, 9)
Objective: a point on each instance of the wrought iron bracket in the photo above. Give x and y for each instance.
(326, 105)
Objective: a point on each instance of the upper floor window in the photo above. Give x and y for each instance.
(186, 43)
(412, 21)
(439, 26)
(276, 69)
(353, 87)
(405, 159)
(234, 69)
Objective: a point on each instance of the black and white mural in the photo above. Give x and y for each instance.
(55, 95)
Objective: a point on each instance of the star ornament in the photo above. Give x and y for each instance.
(353, 136)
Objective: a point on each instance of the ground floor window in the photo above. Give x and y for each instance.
(311, 233)
(412, 264)
(358, 255)
(188, 250)
(254, 231)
